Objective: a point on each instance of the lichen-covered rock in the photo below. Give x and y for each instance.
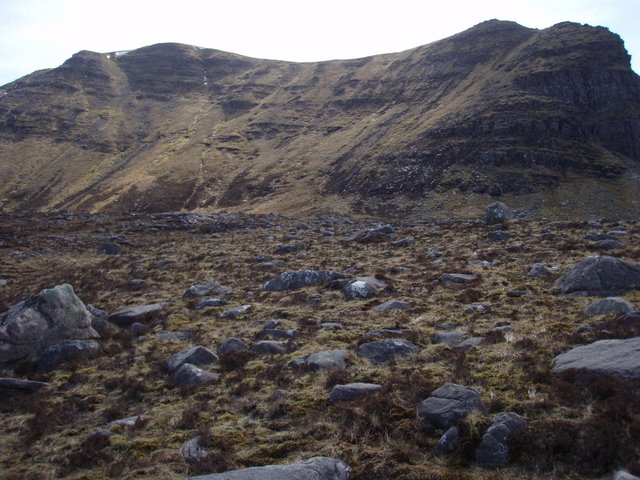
(232, 345)
(495, 445)
(325, 360)
(206, 287)
(143, 313)
(449, 442)
(378, 352)
(352, 391)
(391, 305)
(609, 305)
(236, 312)
(195, 356)
(363, 287)
(65, 351)
(300, 279)
(51, 316)
(269, 347)
(448, 405)
(189, 376)
(316, 468)
(619, 358)
(497, 212)
(600, 276)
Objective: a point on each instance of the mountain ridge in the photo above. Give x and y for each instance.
(540, 117)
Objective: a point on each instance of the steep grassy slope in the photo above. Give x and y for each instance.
(499, 109)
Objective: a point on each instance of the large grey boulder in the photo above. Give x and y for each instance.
(232, 345)
(378, 352)
(495, 445)
(449, 405)
(600, 276)
(619, 358)
(269, 347)
(391, 305)
(300, 279)
(65, 351)
(609, 305)
(352, 391)
(316, 468)
(325, 360)
(51, 316)
(497, 212)
(449, 442)
(129, 315)
(195, 356)
(363, 287)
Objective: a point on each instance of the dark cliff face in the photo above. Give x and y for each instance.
(499, 109)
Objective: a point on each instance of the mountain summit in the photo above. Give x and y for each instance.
(548, 119)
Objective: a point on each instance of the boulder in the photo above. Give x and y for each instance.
(65, 351)
(51, 316)
(378, 352)
(316, 468)
(391, 305)
(232, 345)
(137, 421)
(109, 248)
(276, 333)
(609, 244)
(470, 342)
(449, 405)
(449, 442)
(100, 321)
(195, 356)
(12, 386)
(497, 212)
(494, 447)
(540, 270)
(352, 391)
(615, 305)
(189, 376)
(374, 235)
(192, 451)
(210, 302)
(325, 360)
(143, 313)
(300, 279)
(204, 288)
(458, 278)
(448, 338)
(498, 236)
(600, 276)
(269, 347)
(285, 248)
(619, 358)
(236, 312)
(363, 287)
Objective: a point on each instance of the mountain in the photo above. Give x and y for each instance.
(549, 120)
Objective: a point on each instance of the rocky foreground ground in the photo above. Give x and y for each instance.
(175, 345)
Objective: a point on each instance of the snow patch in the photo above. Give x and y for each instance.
(121, 53)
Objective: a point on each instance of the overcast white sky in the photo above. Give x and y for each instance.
(36, 34)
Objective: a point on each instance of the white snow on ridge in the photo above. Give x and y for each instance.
(121, 53)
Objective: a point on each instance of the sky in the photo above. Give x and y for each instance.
(37, 34)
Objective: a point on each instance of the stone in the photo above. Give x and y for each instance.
(285, 248)
(232, 345)
(270, 265)
(135, 283)
(269, 347)
(609, 244)
(458, 278)
(51, 316)
(497, 212)
(12, 386)
(363, 287)
(403, 243)
(139, 329)
(210, 302)
(331, 326)
(449, 442)
(469, 343)
(448, 338)
(300, 279)
(540, 270)
(494, 447)
(325, 360)
(189, 376)
(378, 352)
(204, 288)
(600, 276)
(374, 235)
(448, 406)
(622, 475)
(236, 312)
(65, 351)
(143, 313)
(192, 451)
(352, 391)
(316, 468)
(100, 321)
(109, 248)
(619, 358)
(609, 305)
(172, 336)
(391, 305)
(195, 356)
(389, 333)
(136, 421)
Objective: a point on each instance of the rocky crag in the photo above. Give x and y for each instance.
(548, 119)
